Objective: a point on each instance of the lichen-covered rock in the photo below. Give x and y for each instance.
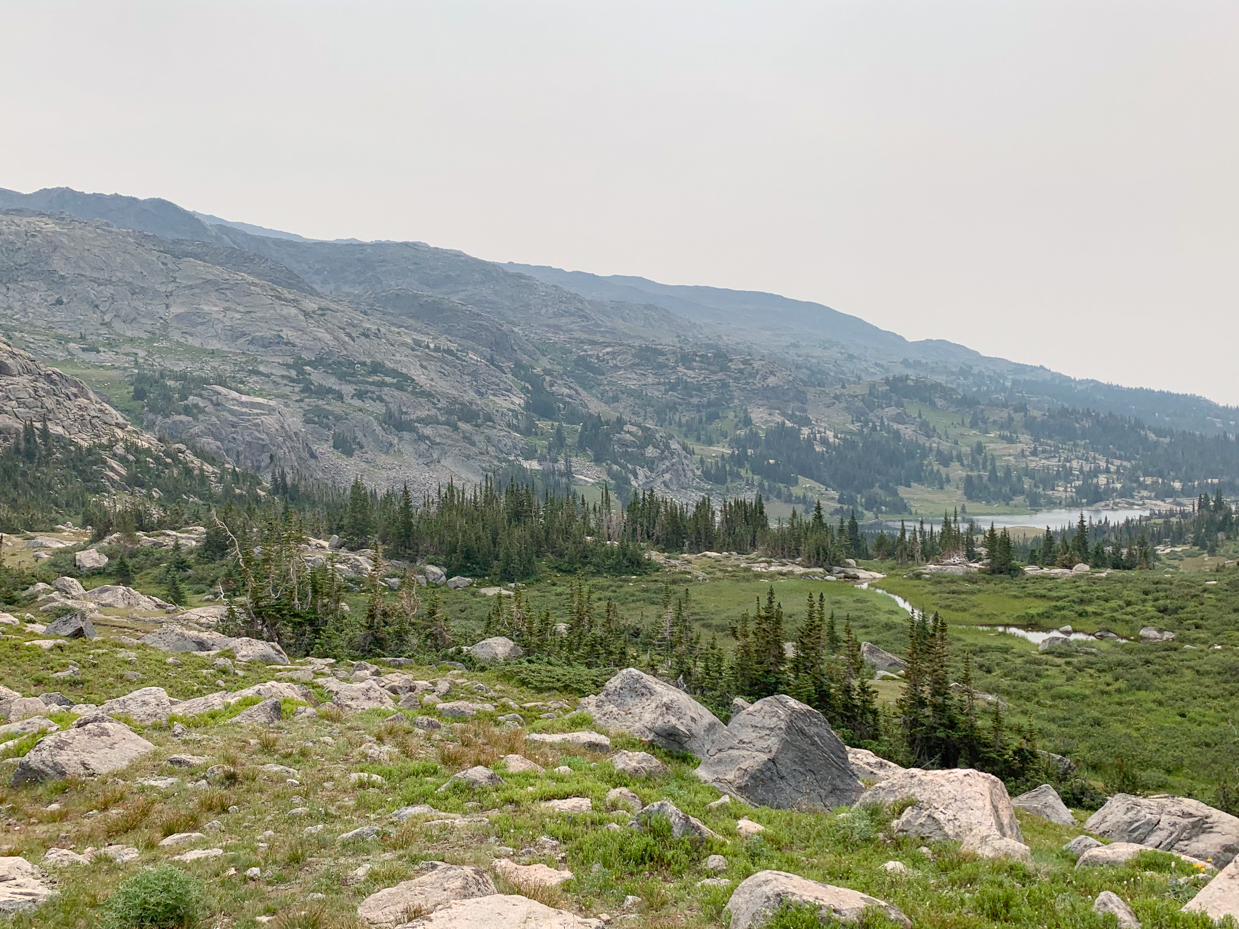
(439, 885)
(585, 740)
(357, 698)
(72, 626)
(1045, 802)
(1111, 904)
(148, 705)
(638, 764)
(496, 649)
(881, 659)
(653, 711)
(533, 875)
(950, 805)
(758, 898)
(174, 637)
(475, 777)
(266, 713)
(90, 559)
(98, 747)
(783, 754)
(1170, 824)
(683, 826)
(988, 845)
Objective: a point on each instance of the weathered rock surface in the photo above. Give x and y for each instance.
(475, 777)
(26, 726)
(501, 911)
(92, 749)
(1171, 824)
(950, 805)
(72, 626)
(148, 705)
(1080, 844)
(438, 886)
(870, 767)
(90, 559)
(587, 741)
(1109, 903)
(1045, 802)
(881, 659)
(1220, 897)
(173, 637)
(683, 826)
(988, 845)
(266, 713)
(754, 903)
(496, 649)
(653, 711)
(113, 595)
(19, 708)
(638, 764)
(533, 875)
(21, 883)
(356, 698)
(783, 754)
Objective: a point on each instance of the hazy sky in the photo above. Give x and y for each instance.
(1056, 183)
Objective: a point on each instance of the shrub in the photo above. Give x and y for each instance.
(164, 897)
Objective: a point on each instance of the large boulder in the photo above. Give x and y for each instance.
(1170, 824)
(870, 767)
(356, 698)
(114, 595)
(501, 911)
(499, 648)
(18, 708)
(71, 587)
(759, 897)
(653, 711)
(1219, 898)
(148, 705)
(72, 626)
(98, 747)
(438, 886)
(21, 886)
(90, 559)
(586, 741)
(174, 637)
(881, 659)
(1045, 802)
(783, 754)
(1109, 903)
(950, 805)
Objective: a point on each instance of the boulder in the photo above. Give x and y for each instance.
(1153, 634)
(988, 845)
(90, 559)
(435, 576)
(439, 886)
(1045, 802)
(174, 637)
(1109, 903)
(870, 767)
(462, 709)
(1117, 853)
(501, 911)
(653, 711)
(1170, 824)
(533, 875)
(26, 726)
(19, 708)
(638, 764)
(72, 626)
(267, 713)
(881, 659)
(356, 698)
(754, 903)
(71, 587)
(98, 747)
(783, 754)
(1053, 641)
(619, 798)
(118, 597)
(282, 690)
(1218, 899)
(475, 777)
(459, 583)
(21, 886)
(496, 649)
(199, 706)
(683, 826)
(585, 740)
(570, 805)
(1080, 844)
(950, 805)
(519, 764)
(148, 705)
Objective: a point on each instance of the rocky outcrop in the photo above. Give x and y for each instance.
(1109, 903)
(653, 711)
(439, 885)
(950, 805)
(72, 626)
(497, 649)
(177, 638)
(758, 898)
(1170, 824)
(870, 767)
(83, 751)
(881, 659)
(357, 698)
(1045, 802)
(90, 559)
(783, 754)
(148, 705)
(683, 826)
(112, 595)
(21, 886)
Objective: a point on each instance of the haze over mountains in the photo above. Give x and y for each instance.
(399, 361)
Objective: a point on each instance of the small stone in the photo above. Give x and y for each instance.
(623, 798)
(746, 828)
(896, 867)
(1108, 903)
(716, 863)
(253, 874)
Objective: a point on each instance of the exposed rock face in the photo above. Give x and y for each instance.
(90, 559)
(31, 392)
(533, 875)
(501, 911)
(587, 741)
(1171, 824)
(267, 713)
(15, 709)
(148, 705)
(95, 748)
(988, 845)
(1045, 802)
(881, 659)
(1099, 856)
(356, 698)
(683, 826)
(1220, 897)
(783, 754)
(870, 767)
(950, 805)
(124, 597)
(644, 706)
(475, 777)
(176, 638)
(499, 648)
(638, 764)
(21, 886)
(72, 626)
(754, 903)
(1080, 844)
(440, 885)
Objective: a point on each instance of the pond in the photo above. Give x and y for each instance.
(1055, 519)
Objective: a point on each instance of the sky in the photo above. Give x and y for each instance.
(1050, 182)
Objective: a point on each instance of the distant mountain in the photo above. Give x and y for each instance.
(250, 228)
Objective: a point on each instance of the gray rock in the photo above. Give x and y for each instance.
(1054, 641)
(1219, 898)
(738, 706)
(72, 626)
(435, 576)
(267, 713)
(360, 834)
(1111, 904)
(881, 659)
(98, 747)
(653, 711)
(148, 705)
(21, 886)
(18, 708)
(357, 698)
(26, 726)
(438, 886)
(70, 587)
(501, 911)
(870, 767)
(495, 649)
(585, 740)
(683, 826)
(638, 764)
(475, 777)
(950, 805)
(459, 583)
(783, 754)
(754, 903)
(90, 560)
(1080, 844)
(621, 798)
(1045, 802)
(1170, 824)
(173, 637)
(988, 845)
